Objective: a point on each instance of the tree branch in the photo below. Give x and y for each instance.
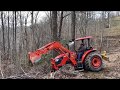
(66, 15)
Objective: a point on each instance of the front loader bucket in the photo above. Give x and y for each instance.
(34, 57)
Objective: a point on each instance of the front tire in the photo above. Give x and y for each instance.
(93, 62)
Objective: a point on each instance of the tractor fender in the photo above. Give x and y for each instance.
(86, 53)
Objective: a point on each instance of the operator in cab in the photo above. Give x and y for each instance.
(81, 51)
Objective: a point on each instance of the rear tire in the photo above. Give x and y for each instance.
(93, 62)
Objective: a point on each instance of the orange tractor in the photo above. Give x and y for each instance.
(90, 59)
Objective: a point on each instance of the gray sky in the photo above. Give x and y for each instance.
(41, 15)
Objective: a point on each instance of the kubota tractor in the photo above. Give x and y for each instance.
(90, 59)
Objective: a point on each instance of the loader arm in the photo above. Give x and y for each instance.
(36, 55)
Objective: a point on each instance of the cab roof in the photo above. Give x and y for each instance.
(87, 37)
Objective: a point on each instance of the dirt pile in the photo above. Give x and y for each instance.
(66, 72)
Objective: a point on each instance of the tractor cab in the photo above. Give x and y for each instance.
(86, 41)
(84, 45)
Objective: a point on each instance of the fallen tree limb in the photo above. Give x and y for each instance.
(24, 72)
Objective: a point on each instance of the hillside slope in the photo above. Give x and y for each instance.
(114, 30)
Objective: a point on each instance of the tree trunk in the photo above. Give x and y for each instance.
(54, 25)
(20, 41)
(26, 32)
(15, 32)
(32, 32)
(102, 30)
(26, 40)
(51, 22)
(73, 27)
(60, 26)
(109, 19)
(8, 35)
(3, 33)
(54, 28)
(36, 17)
(13, 57)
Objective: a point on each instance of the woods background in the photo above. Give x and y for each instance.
(22, 31)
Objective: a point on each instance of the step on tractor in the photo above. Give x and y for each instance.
(91, 59)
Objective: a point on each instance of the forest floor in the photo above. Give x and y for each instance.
(111, 70)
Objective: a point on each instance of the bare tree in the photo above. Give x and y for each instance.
(102, 29)
(3, 33)
(8, 35)
(54, 25)
(108, 19)
(26, 35)
(21, 36)
(32, 31)
(73, 27)
(54, 28)
(13, 41)
(51, 22)
(36, 17)
(15, 32)
(60, 26)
